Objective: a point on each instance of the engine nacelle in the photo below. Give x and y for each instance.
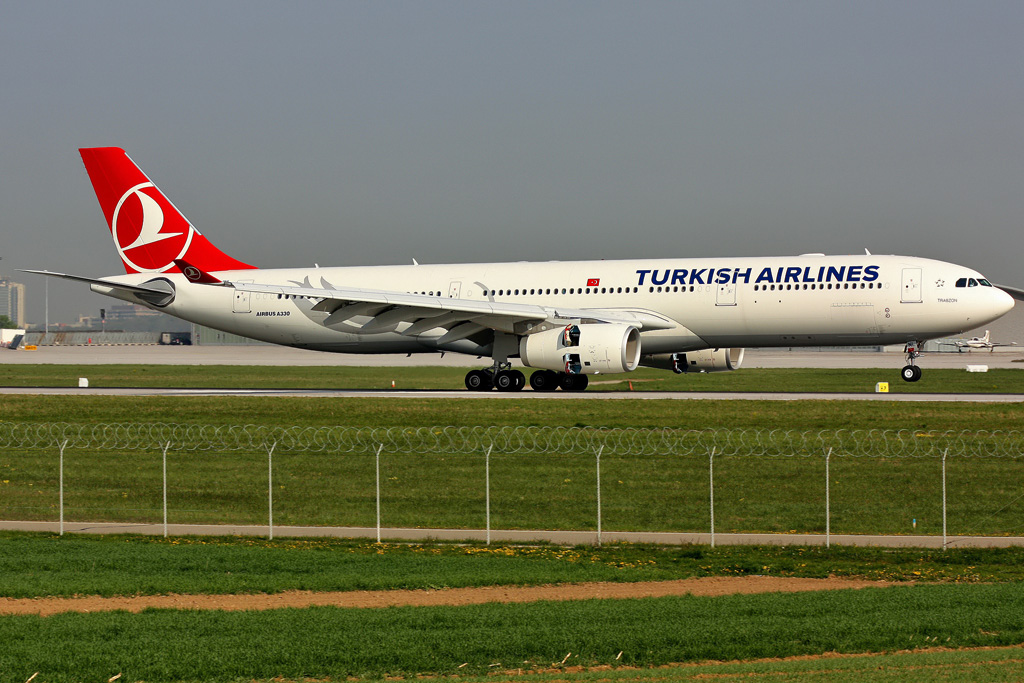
(705, 360)
(587, 349)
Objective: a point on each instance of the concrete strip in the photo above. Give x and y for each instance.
(524, 395)
(518, 536)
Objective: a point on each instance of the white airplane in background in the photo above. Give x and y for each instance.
(976, 343)
(568, 320)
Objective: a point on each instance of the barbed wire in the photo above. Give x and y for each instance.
(186, 437)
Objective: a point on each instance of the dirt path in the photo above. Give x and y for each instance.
(710, 586)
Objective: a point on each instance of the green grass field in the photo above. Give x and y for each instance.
(642, 493)
(426, 377)
(869, 494)
(777, 494)
(41, 564)
(159, 645)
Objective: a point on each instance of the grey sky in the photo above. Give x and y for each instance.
(375, 132)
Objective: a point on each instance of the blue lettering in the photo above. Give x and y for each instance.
(663, 280)
(807, 275)
(835, 273)
(642, 274)
(793, 274)
(765, 276)
(870, 273)
(821, 273)
(696, 278)
(853, 274)
(679, 276)
(737, 274)
(723, 276)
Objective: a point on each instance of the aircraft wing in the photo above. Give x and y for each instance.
(460, 317)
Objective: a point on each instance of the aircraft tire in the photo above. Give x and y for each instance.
(479, 380)
(910, 373)
(505, 380)
(544, 380)
(520, 379)
(572, 382)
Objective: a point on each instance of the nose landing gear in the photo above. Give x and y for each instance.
(910, 372)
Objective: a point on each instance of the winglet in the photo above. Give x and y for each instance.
(193, 274)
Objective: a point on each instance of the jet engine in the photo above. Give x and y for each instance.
(705, 360)
(586, 349)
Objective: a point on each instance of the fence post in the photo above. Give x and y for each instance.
(165, 449)
(711, 477)
(487, 486)
(377, 477)
(828, 507)
(944, 498)
(270, 488)
(599, 495)
(62, 445)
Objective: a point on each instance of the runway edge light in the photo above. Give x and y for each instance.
(882, 388)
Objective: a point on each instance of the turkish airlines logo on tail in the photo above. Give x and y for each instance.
(148, 232)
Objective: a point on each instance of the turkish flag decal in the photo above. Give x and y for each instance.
(594, 282)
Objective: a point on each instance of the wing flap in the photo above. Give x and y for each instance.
(387, 310)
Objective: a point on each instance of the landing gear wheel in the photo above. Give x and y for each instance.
(479, 380)
(544, 380)
(509, 380)
(910, 373)
(572, 382)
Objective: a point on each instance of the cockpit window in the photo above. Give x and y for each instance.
(962, 282)
(985, 283)
(971, 282)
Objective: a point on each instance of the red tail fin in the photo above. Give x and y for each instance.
(149, 232)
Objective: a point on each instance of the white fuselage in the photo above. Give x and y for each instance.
(807, 300)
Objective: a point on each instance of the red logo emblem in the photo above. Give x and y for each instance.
(148, 232)
(594, 282)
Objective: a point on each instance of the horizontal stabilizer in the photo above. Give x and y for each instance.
(159, 292)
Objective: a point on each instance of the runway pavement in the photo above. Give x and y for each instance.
(524, 395)
(522, 536)
(266, 354)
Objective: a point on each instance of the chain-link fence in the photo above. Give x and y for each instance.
(584, 479)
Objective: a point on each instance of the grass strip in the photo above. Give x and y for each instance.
(936, 380)
(426, 412)
(35, 565)
(976, 665)
(168, 645)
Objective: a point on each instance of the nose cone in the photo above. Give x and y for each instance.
(997, 304)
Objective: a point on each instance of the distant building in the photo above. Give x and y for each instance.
(12, 301)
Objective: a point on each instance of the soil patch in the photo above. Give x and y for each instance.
(710, 586)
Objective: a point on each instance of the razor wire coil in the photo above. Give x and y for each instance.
(190, 437)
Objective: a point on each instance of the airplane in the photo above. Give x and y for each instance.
(566, 320)
(976, 343)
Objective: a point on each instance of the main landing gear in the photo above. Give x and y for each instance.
(504, 378)
(910, 372)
